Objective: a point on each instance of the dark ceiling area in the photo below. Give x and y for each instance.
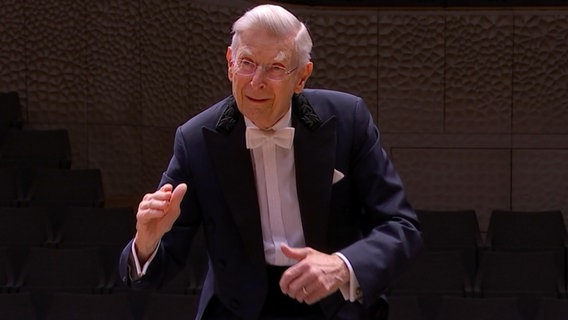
(429, 3)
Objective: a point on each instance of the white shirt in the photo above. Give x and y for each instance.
(277, 199)
(285, 226)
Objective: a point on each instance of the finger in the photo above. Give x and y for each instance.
(166, 188)
(158, 195)
(290, 275)
(294, 253)
(177, 195)
(294, 279)
(314, 296)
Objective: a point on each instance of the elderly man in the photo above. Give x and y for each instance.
(304, 215)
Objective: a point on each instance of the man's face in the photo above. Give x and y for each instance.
(261, 99)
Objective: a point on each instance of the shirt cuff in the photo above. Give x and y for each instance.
(351, 290)
(140, 271)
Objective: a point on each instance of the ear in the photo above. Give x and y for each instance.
(305, 72)
(228, 56)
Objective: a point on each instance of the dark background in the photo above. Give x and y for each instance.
(471, 100)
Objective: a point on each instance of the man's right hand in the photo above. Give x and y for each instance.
(156, 215)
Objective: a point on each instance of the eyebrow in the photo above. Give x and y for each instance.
(279, 58)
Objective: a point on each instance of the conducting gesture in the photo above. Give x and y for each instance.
(156, 215)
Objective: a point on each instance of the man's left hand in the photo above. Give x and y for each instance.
(315, 276)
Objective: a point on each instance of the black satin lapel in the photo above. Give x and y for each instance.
(314, 151)
(233, 165)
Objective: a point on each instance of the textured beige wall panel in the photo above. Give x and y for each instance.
(164, 61)
(411, 72)
(12, 52)
(117, 150)
(345, 53)
(446, 141)
(540, 73)
(453, 179)
(540, 180)
(157, 149)
(56, 53)
(113, 63)
(479, 49)
(209, 38)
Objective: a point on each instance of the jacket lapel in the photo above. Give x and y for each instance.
(233, 165)
(314, 150)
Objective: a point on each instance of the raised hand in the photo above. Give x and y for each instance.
(156, 215)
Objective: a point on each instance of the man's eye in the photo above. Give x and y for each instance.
(277, 69)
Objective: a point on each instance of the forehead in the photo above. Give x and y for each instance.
(265, 47)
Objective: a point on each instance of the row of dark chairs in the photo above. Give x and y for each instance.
(522, 256)
(50, 233)
(25, 147)
(74, 252)
(467, 308)
(28, 186)
(86, 306)
(11, 116)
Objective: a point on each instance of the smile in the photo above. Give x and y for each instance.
(256, 100)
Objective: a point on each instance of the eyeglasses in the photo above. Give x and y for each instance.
(246, 67)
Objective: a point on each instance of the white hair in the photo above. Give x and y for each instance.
(277, 21)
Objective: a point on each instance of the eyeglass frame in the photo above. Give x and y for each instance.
(264, 67)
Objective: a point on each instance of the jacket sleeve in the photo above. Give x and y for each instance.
(391, 235)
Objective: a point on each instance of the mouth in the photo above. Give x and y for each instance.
(256, 100)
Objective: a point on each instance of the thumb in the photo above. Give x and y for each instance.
(177, 195)
(295, 253)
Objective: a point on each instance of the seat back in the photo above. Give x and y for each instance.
(36, 148)
(66, 187)
(523, 230)
(13, 186)
(74, 306)
(434, 274)
(10, 113)
(17, 306)
(521, 274)
(71, 270)
(505, 308)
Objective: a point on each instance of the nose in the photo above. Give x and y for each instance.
(258, 77)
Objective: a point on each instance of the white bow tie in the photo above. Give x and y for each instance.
(256, 137)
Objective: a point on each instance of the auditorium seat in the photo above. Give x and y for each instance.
(65, 270)
(434, 273)
(81, 306)
(10, 113)
(17, 306)
(526, 275)
(23, 228)
(526, 230)
(502, 308)
(170, 306)
(445, 230)
(36, 148)
(520, 273)
(405, 308)
(6, 272)
(552, 309)
(13, 185)
(66, 187)
(108, 229)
